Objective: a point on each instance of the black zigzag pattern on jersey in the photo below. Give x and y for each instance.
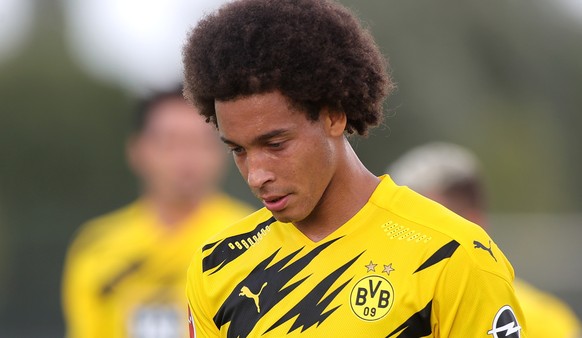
(223, 254)
(418, 325)
(130, 269)
(444, 252)
(309, 310)
(241, 312)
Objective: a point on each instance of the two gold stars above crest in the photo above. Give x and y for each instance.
(387, 268)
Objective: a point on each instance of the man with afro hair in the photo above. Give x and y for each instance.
(337, 251)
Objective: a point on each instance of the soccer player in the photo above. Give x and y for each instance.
(450, 174)
(125, 273)
(337, 251)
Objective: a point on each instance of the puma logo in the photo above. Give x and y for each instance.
(246, 292)
(479, 245)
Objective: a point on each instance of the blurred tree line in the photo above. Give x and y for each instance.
(501, 77)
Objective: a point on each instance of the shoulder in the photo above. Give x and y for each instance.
(245, 232)
(229, 206)
(232, 242)
(545, 312)
(447, 231)
(216, 213)
(99, 229)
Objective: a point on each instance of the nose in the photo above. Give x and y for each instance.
(258, 174)
(257, 178)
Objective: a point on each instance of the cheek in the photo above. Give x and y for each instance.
(240, 164)
(152, 160)
(206, 157)
(218, 161)
(312, 166)
(170, 164)
(214, 165)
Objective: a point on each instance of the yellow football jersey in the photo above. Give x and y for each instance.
(125, 274)
(403, 266)
(546, 315)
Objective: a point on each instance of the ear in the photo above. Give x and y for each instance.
(334, 122)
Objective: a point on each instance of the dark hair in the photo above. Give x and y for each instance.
(314, 52)
(146, 105)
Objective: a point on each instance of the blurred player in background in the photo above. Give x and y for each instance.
(450, 174)
(125, 273)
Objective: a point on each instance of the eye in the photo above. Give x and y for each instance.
(236, 150)
(275, 145)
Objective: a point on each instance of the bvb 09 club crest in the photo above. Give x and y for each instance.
(372, 298)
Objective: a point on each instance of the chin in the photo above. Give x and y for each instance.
(285, 216)
(281, 217)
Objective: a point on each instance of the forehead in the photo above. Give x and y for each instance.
(257, 114)
(177, 118)
(173, 112)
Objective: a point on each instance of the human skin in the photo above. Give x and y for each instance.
(177, 158)
(305, 172)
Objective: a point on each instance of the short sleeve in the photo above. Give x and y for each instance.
(474, 300)
(202, 325)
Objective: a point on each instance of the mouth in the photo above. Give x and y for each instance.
(275, 203)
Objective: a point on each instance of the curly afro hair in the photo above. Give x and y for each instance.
(315, 52)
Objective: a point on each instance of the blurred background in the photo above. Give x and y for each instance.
(503, 78)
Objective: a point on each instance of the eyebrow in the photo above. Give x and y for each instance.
(261, 138)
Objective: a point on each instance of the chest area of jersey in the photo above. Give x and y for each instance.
(342, 287)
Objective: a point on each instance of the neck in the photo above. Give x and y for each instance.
(171, 212)
(348, 191)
